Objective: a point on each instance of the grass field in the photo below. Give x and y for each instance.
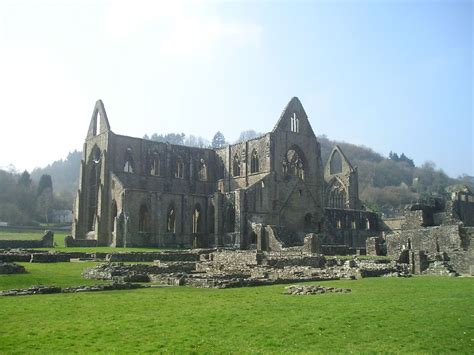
(420, 314)
(59, 242)
(33, 235)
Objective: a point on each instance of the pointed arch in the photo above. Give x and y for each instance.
(155, 164)
(179, 168)
(294, 162)
(202, 170)
(336, 193)
(294, 123)
(98, 112)
(113, 215)
(171, 220)
(335, 163)
(236, 165)
(254, 162)
(128, 165)
(197, 219)
(93, 186)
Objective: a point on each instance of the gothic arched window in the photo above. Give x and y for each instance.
(155, 165)
(128, 161)
(335, 165)
(236, 165)
(197, 219)
(179, 169)
(254, 162)
(294, 164)
(202, 170)
(171, 220)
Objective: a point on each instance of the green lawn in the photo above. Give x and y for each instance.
(59, 242)
(33, 235)
(51, 274)
(419, 314)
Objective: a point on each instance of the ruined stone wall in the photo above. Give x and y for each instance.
(70, 242)
(413, 220)
(350, 227)
(465, 209)
(342, 182)
(120, 179)
(242, 152)
(392, 224)
(152, 256)
(455, 240)
(46, 241)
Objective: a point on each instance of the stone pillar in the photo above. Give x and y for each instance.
(240, 218)
(218, 218)
(48, 239)
(373, 245)
(312, 244)
(259, 230)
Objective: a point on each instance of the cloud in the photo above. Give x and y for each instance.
(181, 28)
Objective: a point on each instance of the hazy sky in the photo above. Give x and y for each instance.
(392, 75)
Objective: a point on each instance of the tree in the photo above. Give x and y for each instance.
(404, 158)
(25, 180)
(246, 135)
(218, 141)
(393, 156)
(172, 138)
(45, 202)
(45, 182)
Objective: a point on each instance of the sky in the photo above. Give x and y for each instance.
(390, 75)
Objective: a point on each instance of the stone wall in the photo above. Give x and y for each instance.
(413, 220)
(392, 224)
(375, 246)
(280, 261)
(454, 240)
(46, 241)
(70, 242)
(152, 256)
(312, 244)
(45, 290)
(242, 257)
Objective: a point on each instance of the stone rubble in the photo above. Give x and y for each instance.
(11, 268)
(43, 290)
(225, 269)
(313, 290)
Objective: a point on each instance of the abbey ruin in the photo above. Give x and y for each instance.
(265, 194)
(136, 192)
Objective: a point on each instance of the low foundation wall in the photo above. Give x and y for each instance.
(47, 241)
(162, 256)
(70, 242)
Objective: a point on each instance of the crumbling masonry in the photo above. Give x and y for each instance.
(266, 193)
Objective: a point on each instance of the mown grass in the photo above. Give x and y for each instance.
(51, 274)
(59, 242)
(33, 235)
(420, 314)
